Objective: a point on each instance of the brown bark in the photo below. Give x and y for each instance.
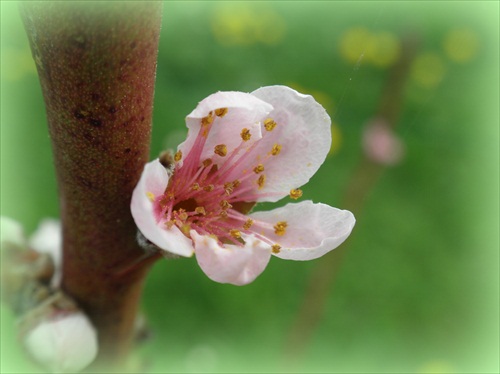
(96, 63)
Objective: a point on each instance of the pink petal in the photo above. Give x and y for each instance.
(244, 111)
(154, 180)
(312, 231)
(230, 263)
(303, 130)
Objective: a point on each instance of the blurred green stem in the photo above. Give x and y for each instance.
(96, 63)
(364, 178)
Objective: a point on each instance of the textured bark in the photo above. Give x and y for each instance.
(96, 63)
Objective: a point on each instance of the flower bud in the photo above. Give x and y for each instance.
(58, 336)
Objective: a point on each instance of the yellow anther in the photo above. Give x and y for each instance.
(245, 134)
(280, 228)
(223, 214)
(182, 215)
(170, 223)
(261, 181)
(236, 183)
(178, 156)
(200, 210)
(276, 149)
(186, 229)
(221, 112)
(209, 188)
(228, 187)
(235, 233)
(295, 194)
(195, 187)
(208, 120)
(269, 124)
(275, 248)
(224, 204)
(151, 196)
(220, 150)
(207, 162)
(248, 223)
(258, 169)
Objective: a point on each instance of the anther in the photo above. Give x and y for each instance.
(261, 181)
(205, 121)
(224, 204)
(295, 194)
(200, 210)
(186, 229)
(235, 233)
(248, 223)
(220, 150)
(221, 112)
(183, 216)
(269, 124)
(195, 187)
(280, 228)
(178, 156)
(228, 187)
(223, 214)
(170, 224)
(150, 196)
(236, 183)
(207, 162)
(276, 149)
(258, 169)
(275, 248)
(209, 188)
(245, 134)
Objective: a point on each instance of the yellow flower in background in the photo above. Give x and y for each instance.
(436, 367)
(380, 49)
(428, 70)
(244, 24)
(336, 140)
(461, 45)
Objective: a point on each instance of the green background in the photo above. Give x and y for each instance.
(416, 289)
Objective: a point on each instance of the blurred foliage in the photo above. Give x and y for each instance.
(418, 287)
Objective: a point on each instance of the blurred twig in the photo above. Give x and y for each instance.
(363, 179)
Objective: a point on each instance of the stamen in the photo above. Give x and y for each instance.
(261, 181)
(228, 187)
(195, 187)
(183, 216)
(209, 188)
(258, 169)
(295, 194)
(221, 112)
(275, 248)
(224, 204)
(235, 233)
(245, 134)
(220, 150)
(269, 124)
(248, 223)
(236, 183)
(150, 196)
(200, 210)
(205, 121)
(185, 228)
(170, 223)
(223, 214)
(276, 149)
(178, 156)
(280, 228)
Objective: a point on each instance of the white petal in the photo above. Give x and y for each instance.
(154, 179)
(244, 111)
(304, 132)
(48, 239)
(65, 343)
(11, 231)
(230, 263)
(312, 231)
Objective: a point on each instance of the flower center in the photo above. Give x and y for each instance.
(213, 195)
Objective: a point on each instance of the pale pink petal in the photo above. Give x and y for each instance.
(244, 111)
(381, 144)
(231, 263)
(312, 231)
(303, 131)
(153, 182)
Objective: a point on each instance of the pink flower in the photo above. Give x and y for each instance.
(241, 149)
(381, 144)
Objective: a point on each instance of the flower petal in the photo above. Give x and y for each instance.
(244, 111)
(154, 180)
(312, 229)
(304, 132)
(231, 263)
